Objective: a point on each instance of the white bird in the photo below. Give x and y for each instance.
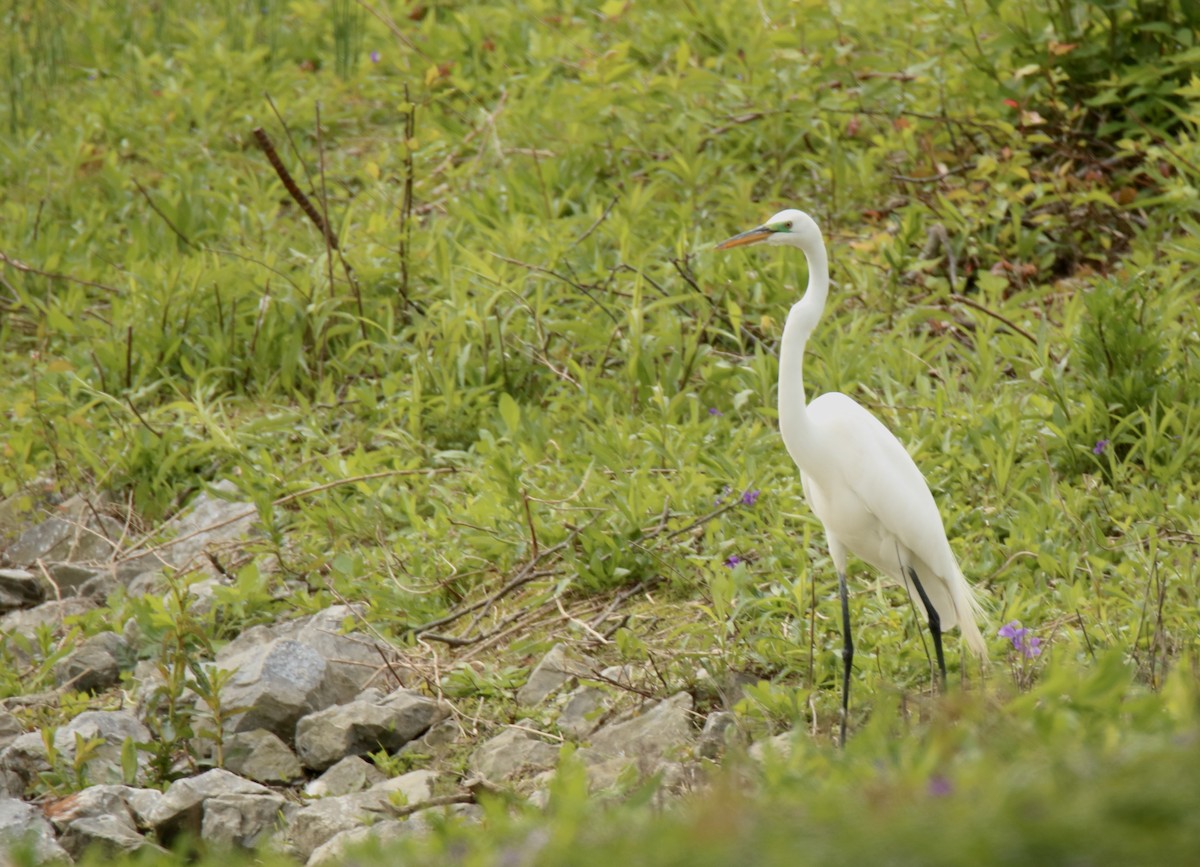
(858, 479)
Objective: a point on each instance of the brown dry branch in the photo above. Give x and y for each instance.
(289, 183)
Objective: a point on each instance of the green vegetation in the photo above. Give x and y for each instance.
(515, 356)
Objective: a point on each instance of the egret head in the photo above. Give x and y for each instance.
(790, 227)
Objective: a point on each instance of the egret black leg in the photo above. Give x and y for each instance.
(847, 652)
(935, 622)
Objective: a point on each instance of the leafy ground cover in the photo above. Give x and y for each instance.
(514, 371)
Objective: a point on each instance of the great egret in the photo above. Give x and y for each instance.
(858, 479)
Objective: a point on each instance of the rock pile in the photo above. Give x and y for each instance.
(311, 718)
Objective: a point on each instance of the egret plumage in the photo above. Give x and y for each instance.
(857, 477)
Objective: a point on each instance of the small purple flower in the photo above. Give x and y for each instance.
(712, 410)
(732, 561)
(1099, 447)
(374, 56)
(749, 498)
(1030, 645)
(939, 786)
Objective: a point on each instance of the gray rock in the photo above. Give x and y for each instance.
(718, 727)
(318, 822)
(243, 820)
(587, 705)
(10, 729)
(218, 806)
(337, 849)
(359, 727)
(76, 534)
(655, 734)
(276, 684)
(212, 519)
(511, 753)
(21, 823)
(779, 746)
(434, 743)
(49, 614)
(71, 579)
(261, 756)
(26, 755)
(351, 774)
(98, 817)
(95, 664)
(555, 669)
(19, 589)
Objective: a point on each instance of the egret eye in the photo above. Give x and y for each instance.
(788, 224)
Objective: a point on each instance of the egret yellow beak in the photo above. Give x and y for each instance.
(753, 236)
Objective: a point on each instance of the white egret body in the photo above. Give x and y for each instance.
(859, 480)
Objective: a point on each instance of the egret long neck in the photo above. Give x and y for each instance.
(801, 320)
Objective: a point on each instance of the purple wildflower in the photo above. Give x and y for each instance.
(939, 786)
(749, 498)
(1099, 447)
(374, 56)
(733, 560)
(1030, 645)
(712, 410)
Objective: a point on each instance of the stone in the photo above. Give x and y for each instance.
(359, 727)
(26, 755)
(779, 746)
(77, 534)
(261, 755)
(22, 823)
(511, 753)
(241, 820)
(434, 743)
(19, 589)
(718, 727)
(10, 728)
(276, 684)
(653, 735)
(321, 820)
(96, 664)
(52, 614)
(98, 817)
(587, 705)
(351, 774)
(554, 669)
(211, 520)
(336, 850)
(219, 807)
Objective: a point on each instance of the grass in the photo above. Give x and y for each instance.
(521, 359)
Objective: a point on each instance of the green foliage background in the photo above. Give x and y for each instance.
(536, 349)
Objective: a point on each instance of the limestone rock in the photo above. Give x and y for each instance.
(511, 753)
(651, 736)
(76, 535)
(277, 684)
(99, 816)
(351, 774)
(318, 822)
(10, 728)
(219, 807)
(26, 755)
(555, 669)
(95, 664)
(22, 823)
(336, 850)
(718, 727)
(359, 727)
(261, 756)
(19, 589)
(49, 614)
